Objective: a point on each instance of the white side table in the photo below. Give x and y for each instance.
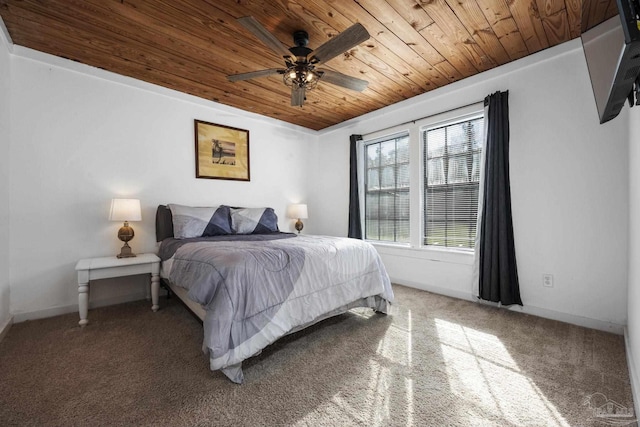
(104, 268)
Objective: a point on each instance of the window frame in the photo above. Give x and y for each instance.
(416, 173)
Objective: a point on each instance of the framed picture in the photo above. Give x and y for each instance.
(222, 152)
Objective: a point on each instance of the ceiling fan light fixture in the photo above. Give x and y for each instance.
(301, 77)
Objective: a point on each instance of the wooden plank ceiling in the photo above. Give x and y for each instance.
(191, 45)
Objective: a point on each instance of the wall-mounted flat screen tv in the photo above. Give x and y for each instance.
(612, 50)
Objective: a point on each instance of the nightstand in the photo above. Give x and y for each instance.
(103, 268)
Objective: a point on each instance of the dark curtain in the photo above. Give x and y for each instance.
(355, 225)
(498, 273)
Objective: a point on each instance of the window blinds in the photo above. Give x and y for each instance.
(451, 156)
(387, 190)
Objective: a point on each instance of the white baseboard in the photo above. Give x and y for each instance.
(587, 322)
(633, 375)
(64, 309)
(4, 327)
(435, 289)
(573, 319)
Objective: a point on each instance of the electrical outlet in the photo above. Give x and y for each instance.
(547, 280)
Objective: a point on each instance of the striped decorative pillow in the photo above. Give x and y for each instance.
(254, 221)
(197, 222)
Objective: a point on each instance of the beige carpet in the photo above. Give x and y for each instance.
(436, 361)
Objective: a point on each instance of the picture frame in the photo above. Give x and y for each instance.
(222, 152)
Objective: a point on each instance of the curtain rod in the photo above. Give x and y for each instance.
(426, 117)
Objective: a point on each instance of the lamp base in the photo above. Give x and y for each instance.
(299, 226)
(125, 252)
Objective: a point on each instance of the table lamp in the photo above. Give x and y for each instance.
(298, 211)
(125, 210)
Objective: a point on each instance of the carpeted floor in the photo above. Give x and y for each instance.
(436, 361)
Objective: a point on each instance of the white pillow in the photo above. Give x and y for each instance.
(191, 221)
(254, 221)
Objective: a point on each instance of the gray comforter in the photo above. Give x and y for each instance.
(255, 292)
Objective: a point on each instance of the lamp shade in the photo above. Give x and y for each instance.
(297, 211)
(125, 210)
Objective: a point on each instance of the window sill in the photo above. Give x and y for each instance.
(453, 256)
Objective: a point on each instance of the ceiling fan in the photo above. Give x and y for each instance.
(300, 73)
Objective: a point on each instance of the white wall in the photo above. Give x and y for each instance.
(569, 183)
(5, 84)
(81, 136)
(633, 325)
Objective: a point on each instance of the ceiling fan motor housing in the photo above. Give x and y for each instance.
(300, 50)
(300, 38)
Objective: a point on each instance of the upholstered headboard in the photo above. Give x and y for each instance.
(164, 223)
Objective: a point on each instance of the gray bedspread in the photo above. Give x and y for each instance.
(255, 292)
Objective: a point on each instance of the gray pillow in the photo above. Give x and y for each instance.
(254, 221)
(191, 221)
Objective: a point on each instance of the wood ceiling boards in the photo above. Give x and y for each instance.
(192, 45)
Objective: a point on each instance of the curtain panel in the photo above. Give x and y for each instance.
(355, 222)
(498, 274)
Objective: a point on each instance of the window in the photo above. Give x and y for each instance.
(387, 189)
(419, 182)
(451, 160)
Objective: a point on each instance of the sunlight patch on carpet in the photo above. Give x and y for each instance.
(377, 400)
(396, 344)
(482, 373)
(370, 406)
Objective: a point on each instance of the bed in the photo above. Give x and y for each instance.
(253, 288)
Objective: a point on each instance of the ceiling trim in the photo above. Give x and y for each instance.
(6, 36)
(406, 112)
(88, 70)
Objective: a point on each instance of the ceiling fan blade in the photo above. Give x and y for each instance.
(339, 79)
(351, 37)
(265, 36)
(254, 74)
(297, 96)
